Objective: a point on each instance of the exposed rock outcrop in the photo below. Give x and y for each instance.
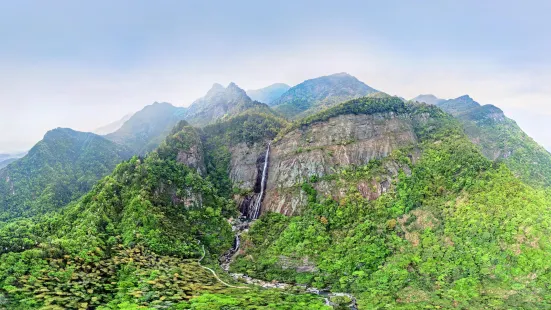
(193, 158)
(243, 163)
(322, 148)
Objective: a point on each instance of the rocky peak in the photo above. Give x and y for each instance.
(215, 89)
(466, 99)
(234, 90)
(217, 103)
(459, 105)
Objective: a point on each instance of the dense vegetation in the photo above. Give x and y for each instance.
(129, 242)
(251, 127)
(455, 229)
(500, 138)
(316, 94)
(6, 162)
(458, 232)
(58, 169)
(365, 105)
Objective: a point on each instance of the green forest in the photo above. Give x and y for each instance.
(456, 229)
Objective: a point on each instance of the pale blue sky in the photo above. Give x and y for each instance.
(82, 64)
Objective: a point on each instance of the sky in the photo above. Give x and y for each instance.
(83, 64)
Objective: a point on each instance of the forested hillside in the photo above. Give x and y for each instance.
(454, 230)
(501, 139)
(60, 168)
(133, 240)
(370, 203)
(313, 95)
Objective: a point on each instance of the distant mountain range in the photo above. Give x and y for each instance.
(146, 129)
(397, 204)
(499, 137)
(6, 159)
(220, 103)
(317, 94)
(112, 127)
(58, 169)
(430, 99)
(268, 94)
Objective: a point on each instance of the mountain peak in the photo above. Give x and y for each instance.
(59, 131)
(341, 74)
(464, 98)
(316, 94)
(235, 90)
(428, 99)
(217, 103)
(215, 89)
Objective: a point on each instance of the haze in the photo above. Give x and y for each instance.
(70, 64)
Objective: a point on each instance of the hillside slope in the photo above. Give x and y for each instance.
(430, 223)
(58, 169)
(133, 241)
(220, 103)
(268, 94)
(146, 129)
(500, 138)
(316, 94)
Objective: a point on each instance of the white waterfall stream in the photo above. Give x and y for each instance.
(242, 224)
(258, 202)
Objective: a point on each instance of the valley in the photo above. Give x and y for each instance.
(331, 196)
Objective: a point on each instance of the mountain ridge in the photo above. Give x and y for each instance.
(60, 168)
(147, 128)
(219, 103)
(269, 93)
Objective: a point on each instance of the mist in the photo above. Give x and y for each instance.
(65, 65)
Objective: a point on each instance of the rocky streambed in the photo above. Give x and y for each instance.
(241, 225)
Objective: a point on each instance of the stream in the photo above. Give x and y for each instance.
(240, 226)
(250, 210)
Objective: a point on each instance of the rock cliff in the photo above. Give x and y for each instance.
(322, 148)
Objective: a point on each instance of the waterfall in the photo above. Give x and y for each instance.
(258, 202)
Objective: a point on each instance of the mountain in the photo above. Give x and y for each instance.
(5, 162)
(393, 203)
(500, 138)
(58, 169)
(316, 94)
(138, 239)
(429, 99)
(371, 203)
(147, 128)
(112, 127)
(268, 94)
(12, 155)
(6, 159)
(220, 103)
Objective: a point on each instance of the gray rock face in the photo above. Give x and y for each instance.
(243, 164)
(193, 158)
(321, 148)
